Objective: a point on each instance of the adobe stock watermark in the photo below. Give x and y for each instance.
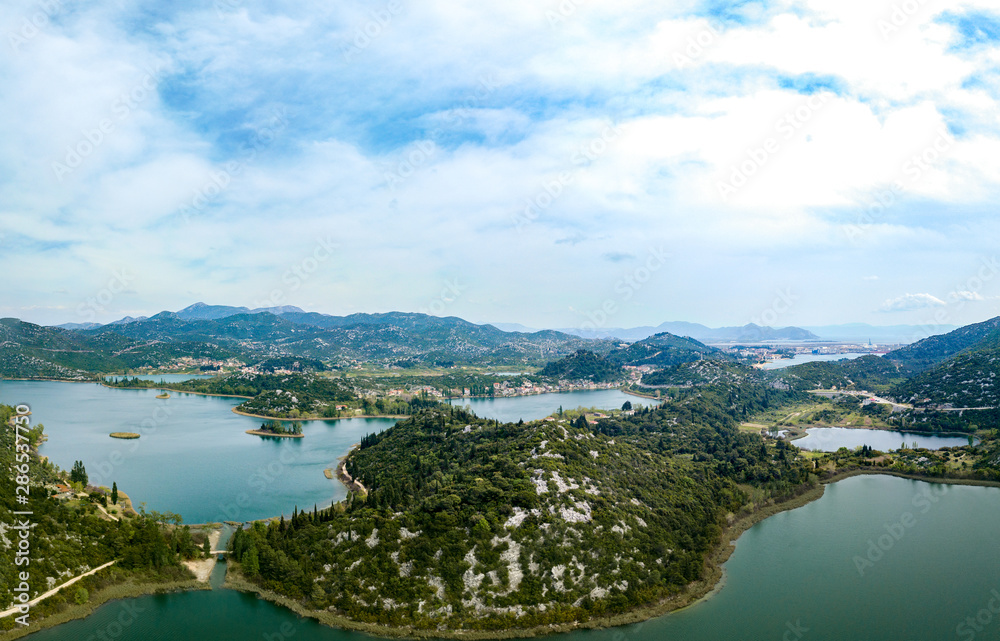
(450, 292)
(33, 23)
(220, 180)
(21, 423)
(128, 613)
(424, 151)
(963, 294)
(371, 30)
(92, 138)
(98, 303)
(258, 481)
(698, 44)
(103, 472)
(783, 302)
(296, 275)
(626, 288)
(563, 11)
(553, 188)
(794, 631)
(978, 622)
(786, 127)
(879, 546)
(899, 16)
(419, 156)
(913, 170)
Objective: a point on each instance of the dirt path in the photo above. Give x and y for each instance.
(57, 588)
(202, 568)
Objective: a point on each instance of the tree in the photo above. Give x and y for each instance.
(79, 473)
(206, 547)
(626, 406)
(250, 564)
(81, 596)
(114, 493)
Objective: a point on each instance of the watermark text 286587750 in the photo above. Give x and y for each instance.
(22, 525)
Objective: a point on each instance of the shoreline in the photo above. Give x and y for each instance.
(332, 418)
(171, 389)
(263, 433)
(697, 592)
(118, 592)
(634, 393)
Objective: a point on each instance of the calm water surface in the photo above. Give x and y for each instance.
(798, 359)
(531, 408)
(841, 568)
(830, 439)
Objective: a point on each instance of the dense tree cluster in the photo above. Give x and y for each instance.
(474, 523)
(70, 537)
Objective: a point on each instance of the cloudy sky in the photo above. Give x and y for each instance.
(547, 162)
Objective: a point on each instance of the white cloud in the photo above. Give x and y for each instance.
(910, 302)
(966, 296)
(510, 104)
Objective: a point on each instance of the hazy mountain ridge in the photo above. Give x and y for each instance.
(747, 333)
(390, 338)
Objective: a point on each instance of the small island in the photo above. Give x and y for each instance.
(123, 435)
(275, 428)
(163, 395)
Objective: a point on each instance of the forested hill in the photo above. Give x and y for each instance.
(475, 524)
(71, 537)
(583, 365)
(663, 350)
(28, 351)
(393, 339)
(934, 350)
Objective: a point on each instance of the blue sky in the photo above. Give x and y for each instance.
(553, 163)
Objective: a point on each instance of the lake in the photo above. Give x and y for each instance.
(798, 359)
(830, 439)
(531, 408)
(877, 557)
(195, 459)
(166, 378)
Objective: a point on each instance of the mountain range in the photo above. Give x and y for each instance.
(752, 333)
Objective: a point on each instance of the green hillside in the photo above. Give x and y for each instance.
(469, 523)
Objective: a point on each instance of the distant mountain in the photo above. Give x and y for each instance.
(747, 334)
(33, 351)
(77, 325)
(863, 332)
(961, 367)
(201, 311)
(393, 338)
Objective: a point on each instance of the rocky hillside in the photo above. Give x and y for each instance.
(473, 524)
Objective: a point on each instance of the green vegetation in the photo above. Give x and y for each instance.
(664, 350)
(280, 429)
(583, 365)
(78, 474)
(470, 523)
(872, 373)
(146, 551)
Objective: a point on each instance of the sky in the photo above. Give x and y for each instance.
(556, 163)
